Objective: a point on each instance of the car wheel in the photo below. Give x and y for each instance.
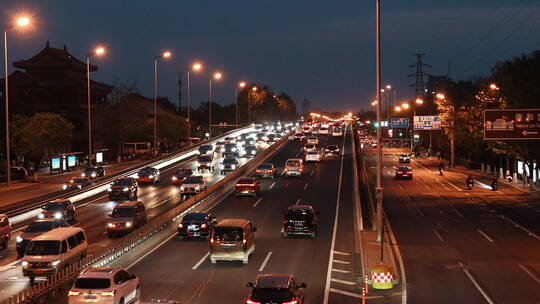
(110, 234)
(5, 243)
(121, 301)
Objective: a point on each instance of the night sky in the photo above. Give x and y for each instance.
(320, 50)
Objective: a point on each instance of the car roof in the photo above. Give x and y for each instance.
(60, 200)
(300, 207)
(58, 234)
(273, 280)
(127, 204)
(233, 223)
(294, 159)
(99, 272)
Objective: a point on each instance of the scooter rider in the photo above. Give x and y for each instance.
(441, 167)
(470, 182)
(494, 184)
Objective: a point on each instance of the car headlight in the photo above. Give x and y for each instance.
(222, 150)
(182, 188)
(110, 189)
(253, 151)
(234, 149)
(94, 174)
(174, 178)
(110, 225)
(19, 239)
(233, 166)
(150, 176)
(83, 174)
(126, 189)
(79, 186)
(64, 187)
(197, 188)
(222, 166)
(55, 263)
(58, 215)
(24, 263)
(41, 215)
(128, 224)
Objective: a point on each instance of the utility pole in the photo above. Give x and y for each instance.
(419, 84)
(179, 82)
(379, 188)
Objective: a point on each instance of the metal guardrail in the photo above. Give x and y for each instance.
(43, 291)
(37, 202)
(367, 191)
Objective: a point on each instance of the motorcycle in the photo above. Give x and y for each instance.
(494, 186)
(441, 171)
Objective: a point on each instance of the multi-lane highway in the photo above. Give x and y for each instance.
(458, 245)
(180, 269)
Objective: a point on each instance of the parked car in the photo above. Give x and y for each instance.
(196, 224)
(126, 217)
(276, 288)
(93, 172)
(59, 209)
(5, 231)
(125, 187)
(77, 183)
(247, 186)
(148, 175)
(266, 170)
(105, 285)
(35, 229)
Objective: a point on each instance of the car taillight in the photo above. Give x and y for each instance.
(203, 225)
(300, 169)
(109, 293)
(180, 225)
(211, 241)
(291, 302)
(244, 241)
(252, 302)
(73, 293)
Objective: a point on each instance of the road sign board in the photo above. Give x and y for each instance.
(512, 124)
(400, 122)
(426, 123)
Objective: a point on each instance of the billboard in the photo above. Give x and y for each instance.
(400, 122)
(512, 124)
(72, 160)
(426, 123)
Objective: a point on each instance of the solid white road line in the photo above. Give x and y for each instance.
(150, 252)
(334, 233)
(343, 282)
(438, 235)
(341, 252)
(527, 271)
(340, 271)
(459, 213)
(521, 227)
(272, 186)
(265, 261)
(485, 235)
(201, 260)
(475, 283)
(257, 202)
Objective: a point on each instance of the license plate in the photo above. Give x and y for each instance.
(299, 224)
(196, 234)
(192, 227)
(90, 297)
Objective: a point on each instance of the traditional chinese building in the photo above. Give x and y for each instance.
(55, 81)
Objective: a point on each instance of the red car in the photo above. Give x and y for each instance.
(404, 172)
(248, 186)
(266, 170)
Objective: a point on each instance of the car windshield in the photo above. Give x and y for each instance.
(228, 234)
(79, 180)
(205, 148)
(230, 146)
(299, 134)
(404, 169)
(123, 212)
(229, 161)
(184, 172)
(310, 146)
(404, 155)
(271, 294)
(92, 169)
(196, 217)
(332, 148)
(293, 163)
(298, 215)
(251, 148)
(194, 180)
(146, 171)
(55, 206)
(265, 166)
(205, 158)
(43, 248)
(122, 182)
(92, 283)
(245, 181)
(40, 226)
(313, 153)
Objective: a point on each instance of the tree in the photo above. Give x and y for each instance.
(40, 135)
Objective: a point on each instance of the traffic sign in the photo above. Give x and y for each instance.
(512, 124)
(426, 123)
(400, 122)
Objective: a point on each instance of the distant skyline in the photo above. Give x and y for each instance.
(307, 49)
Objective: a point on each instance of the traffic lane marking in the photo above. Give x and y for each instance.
(257, 202)
(298, 201)
(305, 186)
(272, 186)
(529, 273)
(438, 235)
(475, 283)
(343, 282)
(201, 261)
(268, 255)
(340, 271)
(485, 235)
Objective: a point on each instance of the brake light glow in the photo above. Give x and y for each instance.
(73, 293)
(244, 241)
(252, 302)
(203, 225)
(291, 302)
(109, 293)
(211, 241)
(180, 225)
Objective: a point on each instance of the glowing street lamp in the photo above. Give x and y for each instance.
(419, 101)
(197, 66)
(397, 108)
(405, 106)
(21, 22)
(99, 51)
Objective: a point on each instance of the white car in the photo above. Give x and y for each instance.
(193, 185)
(310, 148)
(313, 156)
(313, 140)
(105, 285)
(323, 130)
(293, 167)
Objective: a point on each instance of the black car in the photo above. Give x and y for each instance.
(229, 164)
(125, 187)
(59, 209)
(181, 175)
(37, 228)
(250, 151)
(299, 220)
(126, 217)
(93, 172)
(404, 159)
(331, 150)
(77, 183)
(276, 288)
(206, 149)
(230, 149)
(196, 224)
(271, 138)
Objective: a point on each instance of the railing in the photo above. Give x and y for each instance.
(367, 189)
(44, 291)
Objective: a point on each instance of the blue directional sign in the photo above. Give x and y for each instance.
(400, 122)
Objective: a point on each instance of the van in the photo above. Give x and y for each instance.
(232, 240)
(293, 167)
(5, 231)
(53, 250)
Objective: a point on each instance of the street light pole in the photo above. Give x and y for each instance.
(188, 108)
(166, 54)
(236, 102)
(210, 109)
(6, 94)
(88, 100)
(379, 188)
(249, 107)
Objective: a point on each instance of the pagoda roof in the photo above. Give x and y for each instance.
(50, 57)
